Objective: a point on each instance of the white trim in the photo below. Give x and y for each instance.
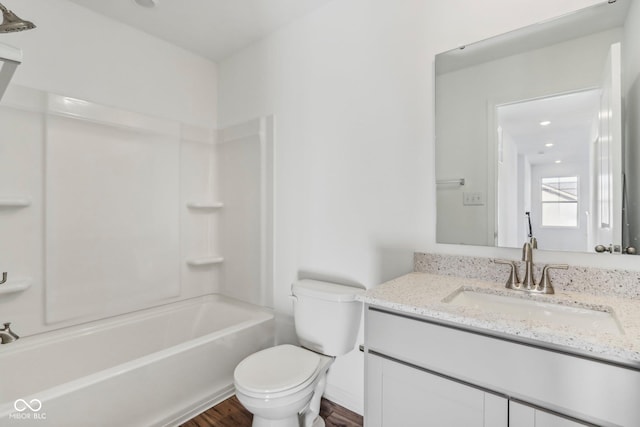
(344, 398)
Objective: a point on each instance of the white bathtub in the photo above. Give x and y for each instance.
(156, 367)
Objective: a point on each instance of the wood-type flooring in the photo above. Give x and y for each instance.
(231, 413)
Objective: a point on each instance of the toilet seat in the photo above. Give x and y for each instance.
(277, 371)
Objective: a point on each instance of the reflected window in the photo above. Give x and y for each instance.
(560, 201)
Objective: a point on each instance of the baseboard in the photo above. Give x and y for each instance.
(344, 398)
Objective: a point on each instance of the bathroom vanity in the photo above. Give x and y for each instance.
(433, 359)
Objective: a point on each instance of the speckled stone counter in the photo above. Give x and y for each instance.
(596, 281)
(425, 294)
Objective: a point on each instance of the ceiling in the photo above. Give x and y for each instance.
(572, 118)
(210, 28)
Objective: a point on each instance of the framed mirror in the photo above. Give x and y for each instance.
(537, 135)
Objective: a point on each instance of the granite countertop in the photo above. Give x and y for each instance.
(425, 294)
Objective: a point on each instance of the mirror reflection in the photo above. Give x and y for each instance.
(531, 140)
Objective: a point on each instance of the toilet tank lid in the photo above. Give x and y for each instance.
(325, 290)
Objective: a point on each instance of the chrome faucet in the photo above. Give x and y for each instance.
(7, 335)
(528, 283)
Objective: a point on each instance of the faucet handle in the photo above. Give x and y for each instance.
(8, 336)
(7, 329)
(545, 286)
(513, 282)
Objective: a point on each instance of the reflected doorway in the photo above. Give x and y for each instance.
(548, 166)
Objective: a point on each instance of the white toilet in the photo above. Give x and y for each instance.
(282, 386)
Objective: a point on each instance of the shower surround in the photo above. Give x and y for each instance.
(106, 212)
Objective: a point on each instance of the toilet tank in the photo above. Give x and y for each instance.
(327, 316)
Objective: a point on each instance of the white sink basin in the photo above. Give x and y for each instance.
(529, 309)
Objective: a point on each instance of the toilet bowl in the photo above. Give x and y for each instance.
(278, 385)
(282, 386)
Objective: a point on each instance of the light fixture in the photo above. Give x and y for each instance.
(147, 3)
(545, 123)
(558, 161)
(11, 23)
(549, 144)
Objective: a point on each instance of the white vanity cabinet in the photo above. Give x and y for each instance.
(401, 395)
(424, 372)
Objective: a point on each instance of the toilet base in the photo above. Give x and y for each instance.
(290, 422)
(264, 422)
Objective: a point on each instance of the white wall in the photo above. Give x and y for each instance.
(351, 88)
(76, 52)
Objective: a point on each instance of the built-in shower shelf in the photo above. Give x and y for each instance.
(205, 205)
(13, 286)
(207, 260)
(14, 202)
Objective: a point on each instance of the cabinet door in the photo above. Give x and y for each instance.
(400, 395)
(527, 416)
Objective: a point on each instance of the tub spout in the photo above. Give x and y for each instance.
(7, 335)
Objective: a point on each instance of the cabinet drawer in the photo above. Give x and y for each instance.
(570, 385)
